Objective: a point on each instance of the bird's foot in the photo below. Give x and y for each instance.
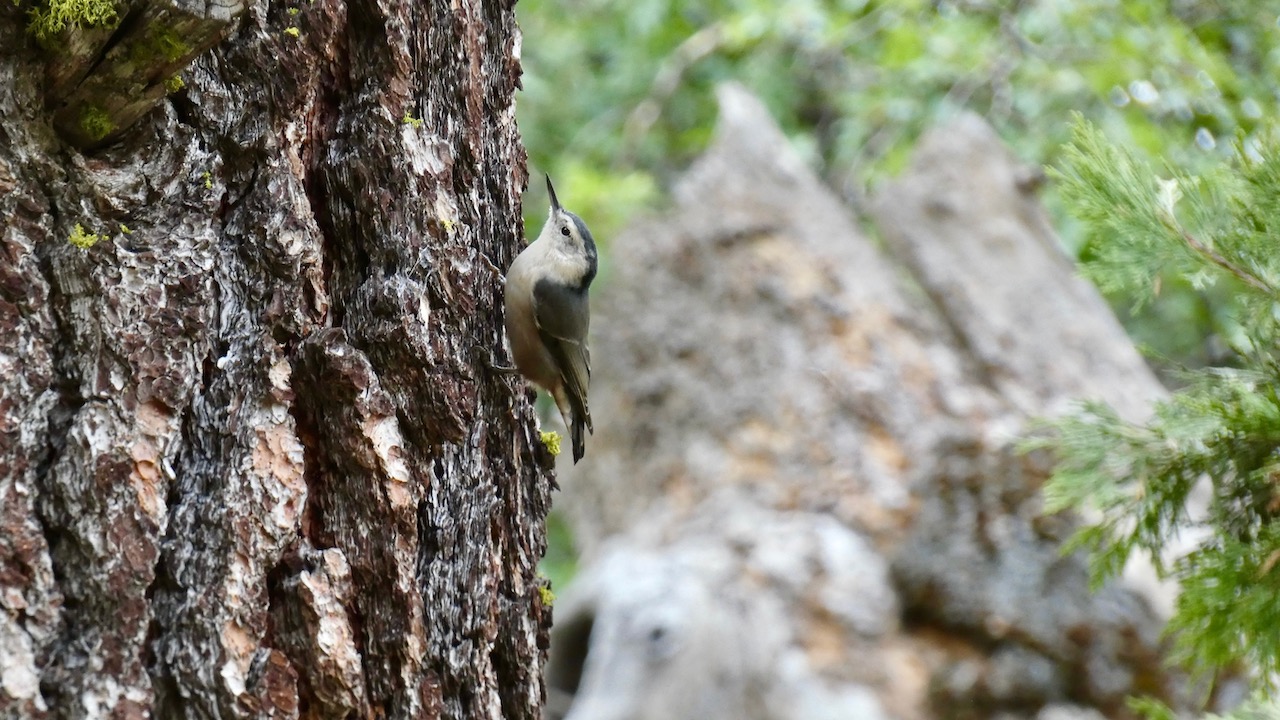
(487, 357)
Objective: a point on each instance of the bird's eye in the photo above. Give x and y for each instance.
(565, 231)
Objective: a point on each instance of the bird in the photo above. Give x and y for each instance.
(548, 314)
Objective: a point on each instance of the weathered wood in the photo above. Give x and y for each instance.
(804, 471)
(251, 462)
(103, 79)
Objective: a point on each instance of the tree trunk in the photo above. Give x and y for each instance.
(254, 461)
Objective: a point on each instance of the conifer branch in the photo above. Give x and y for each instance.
(1221, 261)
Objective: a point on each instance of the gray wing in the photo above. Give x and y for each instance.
(563, 317)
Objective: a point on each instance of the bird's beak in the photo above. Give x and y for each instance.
(555, 204)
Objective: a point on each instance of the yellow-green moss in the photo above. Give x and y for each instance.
(125, 229)
(174, 84)
(158, 46)
(292, 31)
(551, 440)
(208, 180)
(411, 120)
(95, 122)
(167, 44)
(81, 239)
(548, 598)
(53, 16)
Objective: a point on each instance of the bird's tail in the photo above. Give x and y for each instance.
(577, 418)
(578, 437)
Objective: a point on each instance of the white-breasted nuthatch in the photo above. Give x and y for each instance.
(547, 315)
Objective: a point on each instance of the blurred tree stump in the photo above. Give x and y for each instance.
(803, 499)
(251, 463)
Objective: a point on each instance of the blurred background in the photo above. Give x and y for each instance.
(619, 99)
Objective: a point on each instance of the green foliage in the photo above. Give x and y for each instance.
(52, 17)
(560, 563)
(1218, 227)
(1257, 708)
(1209, 229)
(82, 239)
(621, 92)
(1152, 709)
(174, 84)
(1254, 709)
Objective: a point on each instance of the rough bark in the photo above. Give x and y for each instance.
(804, 498)
(253, 459)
